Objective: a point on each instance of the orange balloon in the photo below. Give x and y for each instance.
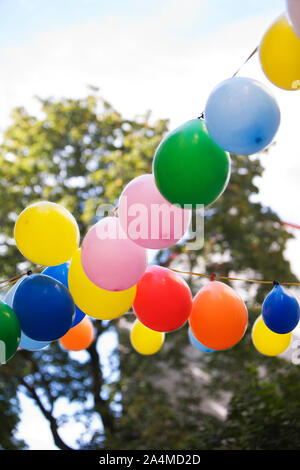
(79, 337)
(219, 317)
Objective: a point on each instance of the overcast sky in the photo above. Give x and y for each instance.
(164, 55)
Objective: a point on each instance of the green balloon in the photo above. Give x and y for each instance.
(189, 167)
(10, 332)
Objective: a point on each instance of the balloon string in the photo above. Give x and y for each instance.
(114, 212)
(254, 281)
(12, 280)
(292, 225)
(237, 71)
(246, 61)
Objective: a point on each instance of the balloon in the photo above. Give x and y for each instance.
(30, 344)
(219, 317)
(280, 310)
(95, 302)
(144, 340)
(80, 337)
(189, 168)
(10, 333)
(280, 55)
(44, 307)
(109, 259)
(163, 300)
(46, 233)
(148, 218)
(8, 299)
(242, 116)
(194, 342)
(293, 11)
(266, 341)
(26, 343)
(60, 273)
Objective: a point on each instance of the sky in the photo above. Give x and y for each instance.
(165, 56)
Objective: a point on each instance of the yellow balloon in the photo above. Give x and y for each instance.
(46, 233)
(144, 340)
(266, 341)
(91, 299)
(280, 55)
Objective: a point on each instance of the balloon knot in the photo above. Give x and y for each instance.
(212, 277)
(29, 272)
(114, 212)
(275, 283)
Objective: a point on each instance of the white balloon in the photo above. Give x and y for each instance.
(293, 13)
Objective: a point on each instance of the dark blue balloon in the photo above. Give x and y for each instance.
(25, 343)
(79, 315)
(60, 273)
(280, 311)
(194, 342)
(44, 307)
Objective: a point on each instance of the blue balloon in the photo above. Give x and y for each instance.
(242, 116)
(60, 273)
(8, 299)
(44, 307)
(280, 310)
(30, 344)
(25, 342)
(194, 342)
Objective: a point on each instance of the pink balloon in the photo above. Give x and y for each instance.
(293, 11)
(148, 218)
(109, 259)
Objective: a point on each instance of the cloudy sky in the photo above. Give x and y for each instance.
(164, 55)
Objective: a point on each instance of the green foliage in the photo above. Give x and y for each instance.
(10, 414)
(262, 399)
(81, 153)
(242, 237)
(251, 234)
(78, 153)
(264, 412)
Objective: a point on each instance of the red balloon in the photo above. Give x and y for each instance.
(219, 317)
(163, 300)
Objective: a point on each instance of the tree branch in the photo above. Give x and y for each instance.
(47, 414)
(101, 406)
(43, 380)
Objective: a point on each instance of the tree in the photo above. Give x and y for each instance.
(81, 153)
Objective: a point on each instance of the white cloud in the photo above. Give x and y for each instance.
(138, 65)
(181, 14)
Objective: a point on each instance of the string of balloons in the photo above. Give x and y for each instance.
(108, 274)
(6, 282)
